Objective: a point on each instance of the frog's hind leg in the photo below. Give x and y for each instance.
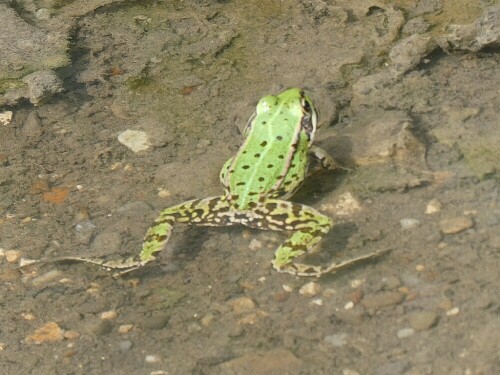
(203, 212)
(195, 212)
(308, 227)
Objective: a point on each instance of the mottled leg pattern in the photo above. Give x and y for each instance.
(308, 227)
(196, 212)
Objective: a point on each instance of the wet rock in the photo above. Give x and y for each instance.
(109, 315)
(47, 278)
(484, 32)
(336, 340)
(84, 232)
(434, 206)
(405, 332)
(98, 327)
(456, 224)
(379, 136)
(241, 305)
(354, 316)
(50, 332)
(125, 346)
(39, 51)
(276, 361)
(12, 256)
(136, 140)
(409, 223)
(347, 205)
(5, 117)
(422, 320)
(382, 299)
(155, 322)
(42, 85)
(408, 53)
(310, 289)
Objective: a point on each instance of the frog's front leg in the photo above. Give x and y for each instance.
(322, 157)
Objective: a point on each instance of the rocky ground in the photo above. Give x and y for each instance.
(111, 110)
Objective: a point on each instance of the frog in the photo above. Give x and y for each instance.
(270, 165)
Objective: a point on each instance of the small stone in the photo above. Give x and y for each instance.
(9, 274)
(349, 305)
(71, 335)
(337, 340)
(409, 223)
(98, 327)
(456, 224)
(353, 316)
(50, 332)
(42, 85)
(5, 117)
(109, 315)
(348, 371)
(419, 268)
(453, 311)
(46, 278)
(347, 205)
(152, 358)
(135, 140)
(274, 361)
(391, 282)
(355, 283)
(434, 206)
(405, 332)
(287, 288)
(125, 328)
(355, 296)
(382, 299)
(207, 319)
(12, 255)
(125, 346)
(42, 14)
(157, 321)
(310, 289)
(422, 320)
(253, 317)
(241, 305)
(255, 245)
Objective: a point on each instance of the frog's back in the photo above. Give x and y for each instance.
(274, 142)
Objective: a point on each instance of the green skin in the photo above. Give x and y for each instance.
(268, 168)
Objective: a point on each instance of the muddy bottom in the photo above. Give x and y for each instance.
(409, 109)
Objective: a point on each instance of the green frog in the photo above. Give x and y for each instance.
(266, 170)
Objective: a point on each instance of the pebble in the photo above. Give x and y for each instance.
(337, 340)
(5, 117)
(42, 85)
(310, 289)
(125, 328)
(409, 223)
(382, 299)
(136, 140)
(453, 311)
(109, 315)
(405, 332)
(71, 335)
(434, 206)
(456, 224)
(347, 205)
(125, 346)
(241, 305)
(157, 321)
(12, 255)
(98, 327)
(422, 320)
(46, 278)
(348, 371)
(152, 358)
(354, 316)
(50, 332)
(255, 245)
(207, 319)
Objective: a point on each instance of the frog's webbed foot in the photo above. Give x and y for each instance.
(299, 269)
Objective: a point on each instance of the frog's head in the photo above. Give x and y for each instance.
(294, 105)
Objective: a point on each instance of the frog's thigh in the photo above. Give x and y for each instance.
(323, 157)
(206, 212)
(308, 226)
